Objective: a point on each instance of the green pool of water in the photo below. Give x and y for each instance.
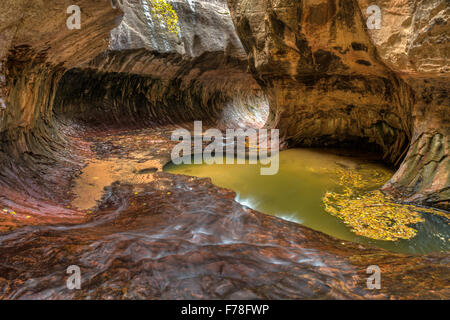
(295, 193)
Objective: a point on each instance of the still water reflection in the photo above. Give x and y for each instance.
(295, 193)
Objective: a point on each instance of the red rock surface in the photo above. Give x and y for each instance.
(182, 237)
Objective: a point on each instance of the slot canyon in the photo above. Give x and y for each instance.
(86, 118)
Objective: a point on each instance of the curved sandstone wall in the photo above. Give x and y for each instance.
(329, 79)
(199, 73)
(106, 73)
(37, 47)
(414, 41)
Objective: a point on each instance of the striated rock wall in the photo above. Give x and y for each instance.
(414, 41)
(153, 74)
(45, 68)
(413, 36)
(36, 49)
(323, 74)
(330, 80)
(205, 26)
(161, 89)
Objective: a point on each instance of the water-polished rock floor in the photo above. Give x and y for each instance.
(178, 237)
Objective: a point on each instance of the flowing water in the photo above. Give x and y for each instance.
(296, 193)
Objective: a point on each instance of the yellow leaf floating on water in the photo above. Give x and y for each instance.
(371, 213)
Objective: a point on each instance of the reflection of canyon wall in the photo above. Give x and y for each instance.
(330, 80)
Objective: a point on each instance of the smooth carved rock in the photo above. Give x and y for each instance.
(37, 47)
(414, 35)
(322, 70)
(205, 26)
(414, 41)
(181, 237)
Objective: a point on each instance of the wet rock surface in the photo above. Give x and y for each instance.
(182, 237)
